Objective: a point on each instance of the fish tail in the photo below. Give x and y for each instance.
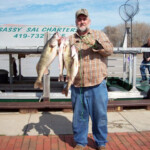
(65, 91)
(38, 84)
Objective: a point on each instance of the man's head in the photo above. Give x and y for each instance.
(82, 20)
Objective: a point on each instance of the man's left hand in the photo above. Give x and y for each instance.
(92, 43)
(88, 40)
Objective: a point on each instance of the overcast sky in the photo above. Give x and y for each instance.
(62, 12)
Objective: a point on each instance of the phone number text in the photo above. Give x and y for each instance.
(28, 36)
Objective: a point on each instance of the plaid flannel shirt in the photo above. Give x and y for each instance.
(92, 65)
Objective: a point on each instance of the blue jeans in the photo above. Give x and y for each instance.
(143, 67)
(90, 101)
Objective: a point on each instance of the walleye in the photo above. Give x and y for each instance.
(47, 56)
(61, 60)
(68, 57)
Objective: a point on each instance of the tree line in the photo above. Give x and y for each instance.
(140, 34)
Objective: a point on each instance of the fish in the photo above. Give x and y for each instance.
(69, 62)
(49, 53)
(61, 60)
(64, 58)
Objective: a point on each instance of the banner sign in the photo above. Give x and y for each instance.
(30, 35)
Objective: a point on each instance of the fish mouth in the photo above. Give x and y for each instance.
(58, 36)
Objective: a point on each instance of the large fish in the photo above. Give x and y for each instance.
(68, 56)
(64, 58)
(47, 56)
(61, 60)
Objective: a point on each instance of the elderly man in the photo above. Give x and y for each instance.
(89, 92)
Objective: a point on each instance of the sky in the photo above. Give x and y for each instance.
(62, 12)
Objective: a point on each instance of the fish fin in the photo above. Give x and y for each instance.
(38, 84)
(73, 51)
(37, 67)
(65, 91)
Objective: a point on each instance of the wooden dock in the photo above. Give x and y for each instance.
(116, 141)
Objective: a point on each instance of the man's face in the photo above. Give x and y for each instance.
(83, 23)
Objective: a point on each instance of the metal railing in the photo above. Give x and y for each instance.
(131, 65)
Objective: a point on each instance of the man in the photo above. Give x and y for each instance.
(145, 63)
(89, 92)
